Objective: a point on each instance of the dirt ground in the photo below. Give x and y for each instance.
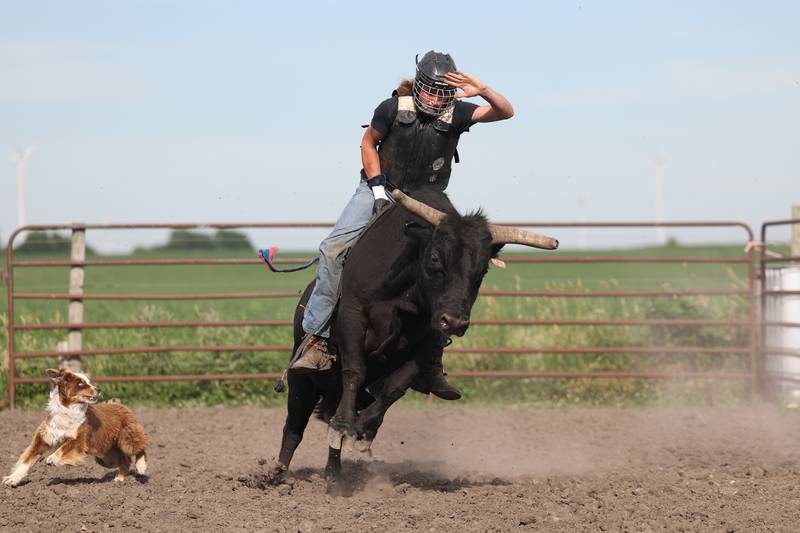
(435, 470)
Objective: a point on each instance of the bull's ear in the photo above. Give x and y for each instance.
(418, 232)
(496, 249)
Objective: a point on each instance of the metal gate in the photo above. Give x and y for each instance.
(77, 298)
(780, 325)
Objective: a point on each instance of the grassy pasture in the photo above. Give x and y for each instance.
(255, 277)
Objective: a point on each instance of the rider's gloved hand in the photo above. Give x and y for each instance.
(376, 183)
(379, 205)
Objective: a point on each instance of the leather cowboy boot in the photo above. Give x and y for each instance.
(314, 356)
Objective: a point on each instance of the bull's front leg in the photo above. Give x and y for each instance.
(395, 386)
(351, 330)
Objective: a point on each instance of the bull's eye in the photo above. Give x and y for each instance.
(436, 260)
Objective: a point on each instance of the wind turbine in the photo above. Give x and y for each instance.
(20, 156)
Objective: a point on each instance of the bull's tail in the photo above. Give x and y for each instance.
(319, 411)
(280, 385)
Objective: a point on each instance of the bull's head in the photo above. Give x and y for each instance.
(456, 258)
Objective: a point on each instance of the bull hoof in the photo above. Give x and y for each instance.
(359, 428)
(364, 446)
(263, 478)
(276, 474)
(367, 424)
(332, 487)
(332, 473)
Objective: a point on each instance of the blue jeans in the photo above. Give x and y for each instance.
(354, 218)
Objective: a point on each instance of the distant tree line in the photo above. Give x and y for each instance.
(222, 239)
(53, 242)
(49, 242)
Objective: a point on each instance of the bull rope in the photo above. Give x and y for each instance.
(268, 254)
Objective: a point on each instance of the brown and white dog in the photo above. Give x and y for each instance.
(78, 426)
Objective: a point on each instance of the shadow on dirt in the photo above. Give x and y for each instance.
(107, 478)
(364, 476)
(425, 476)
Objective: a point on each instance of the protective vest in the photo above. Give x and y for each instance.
(416, 153)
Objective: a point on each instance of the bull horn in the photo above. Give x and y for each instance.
(434, 216)
(508, 235)
(500, 234)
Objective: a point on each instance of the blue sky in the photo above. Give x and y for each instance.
(247, 111)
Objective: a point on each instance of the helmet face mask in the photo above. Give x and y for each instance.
(432, 95)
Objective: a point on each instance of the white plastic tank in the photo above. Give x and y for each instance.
(781, 367)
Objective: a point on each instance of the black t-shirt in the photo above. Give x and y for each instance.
(385, 113)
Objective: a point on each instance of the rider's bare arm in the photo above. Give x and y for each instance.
(499, 107)
(369, 151)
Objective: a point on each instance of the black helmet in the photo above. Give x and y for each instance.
(430, 80)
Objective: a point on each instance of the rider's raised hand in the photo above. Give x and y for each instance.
(469, 84)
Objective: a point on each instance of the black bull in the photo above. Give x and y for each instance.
(410, 281)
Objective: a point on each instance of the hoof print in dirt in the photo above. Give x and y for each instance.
(402, 488)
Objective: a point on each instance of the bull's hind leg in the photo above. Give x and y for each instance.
(303, 397)
(354, 368)
(334, 465)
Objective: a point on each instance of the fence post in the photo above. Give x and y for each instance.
(76, 279)
(795, 250)
(756, 358)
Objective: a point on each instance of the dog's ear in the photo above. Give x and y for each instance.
(56, 376)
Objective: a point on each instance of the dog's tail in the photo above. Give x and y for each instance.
(140, 465)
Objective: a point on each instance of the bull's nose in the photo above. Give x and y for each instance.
(453, 325)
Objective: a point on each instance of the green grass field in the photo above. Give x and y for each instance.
(255, 277)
